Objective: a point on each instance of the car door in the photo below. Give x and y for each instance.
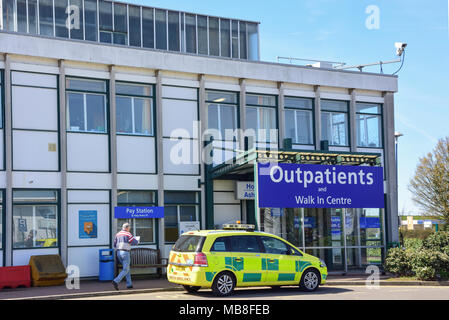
(279, 262)
(246, 260)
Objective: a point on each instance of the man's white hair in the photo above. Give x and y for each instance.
(126, 226)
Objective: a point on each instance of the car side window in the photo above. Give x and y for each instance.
(245, 244)
(221, 245)
(275, 246)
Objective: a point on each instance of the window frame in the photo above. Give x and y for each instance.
(312, 127)
(141, 204)
(228, 104)
(84, 93)
(57, 204)
(151, 97)
(379, 115)
(347, 122)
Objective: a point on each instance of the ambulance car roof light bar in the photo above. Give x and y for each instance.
(239, 227)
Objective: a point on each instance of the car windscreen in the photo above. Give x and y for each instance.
(189, 244)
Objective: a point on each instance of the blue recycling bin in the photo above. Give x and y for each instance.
(106, 265)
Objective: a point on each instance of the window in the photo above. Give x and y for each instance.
(235, 39)
(106, 28)
(161, 29)
(8, 15)
(261, 117)
(275, 246)
(221, 245)
(214, 37)
(148, 27)
(253, 41)
(173, 31)
(1, 99)
(134, 109)
(222, 109)
(90, 16)
(299, 120)
(179, 207)
(22, 16)
(189, 244)
(243, 46)
(145, 228)
(225, 38)
(32, 16)
(190, 33)
(369, 125)
(120, 24)
(203, 45)
(35, 219)
(245, 244)
(76, 29)
(86, 104)
(61, 17)
(134, 26)
(334, 122)
(46, 17)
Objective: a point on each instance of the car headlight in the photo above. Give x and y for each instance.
(322, 264)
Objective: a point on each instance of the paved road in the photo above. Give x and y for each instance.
(292, 293)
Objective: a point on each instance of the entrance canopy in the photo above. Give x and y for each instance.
(241, 167)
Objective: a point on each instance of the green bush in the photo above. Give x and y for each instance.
(426, 259)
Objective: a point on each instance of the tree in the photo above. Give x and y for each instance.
(430, 185)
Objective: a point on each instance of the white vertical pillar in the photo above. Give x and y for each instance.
(317, 113)
(8, 163)
(160, 158)
(113, 148)
(63, 164)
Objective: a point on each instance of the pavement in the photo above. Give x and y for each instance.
(150, 284)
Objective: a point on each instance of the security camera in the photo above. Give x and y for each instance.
(400, 47)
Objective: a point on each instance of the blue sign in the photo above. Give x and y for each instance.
(317, 186)
(297, 223)
(335, 225)
(369, 223)
(88, 224)
(139, 212)
(309, 222)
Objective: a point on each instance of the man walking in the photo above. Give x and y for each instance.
(122, 243)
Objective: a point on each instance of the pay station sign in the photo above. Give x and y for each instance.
(139, 212)
(282, 185)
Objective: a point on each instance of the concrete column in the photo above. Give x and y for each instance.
(113, 148)
(281, 115)
(8, 163)
(63, 164)
(317, 117)
(352, 121)
(160, 157)
(391, 213)
(203, 115)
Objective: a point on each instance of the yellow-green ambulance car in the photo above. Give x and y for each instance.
(239, 257)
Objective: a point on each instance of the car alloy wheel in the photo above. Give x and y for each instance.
(310, 281)
(224, 285)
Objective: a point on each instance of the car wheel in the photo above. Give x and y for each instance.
(224, 284)
(310, 280)
(191, 289)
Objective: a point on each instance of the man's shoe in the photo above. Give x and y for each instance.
(115, 285)
(131, 287)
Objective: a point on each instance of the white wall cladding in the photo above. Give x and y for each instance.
(87, 259)
(87, 152)
(22, 257)
(34, 79)
(39, 180)
(137, 182)
(34, 108)
(103, 232)
(82, 196)
(136, 154)
(181, 183)
(179, 93)
(226, 214)
(76, 180)
(181, 156)
(31, 150)
(179, 114)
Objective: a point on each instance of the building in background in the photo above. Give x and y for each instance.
(92, 117)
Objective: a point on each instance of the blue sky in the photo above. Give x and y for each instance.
(335, 30)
